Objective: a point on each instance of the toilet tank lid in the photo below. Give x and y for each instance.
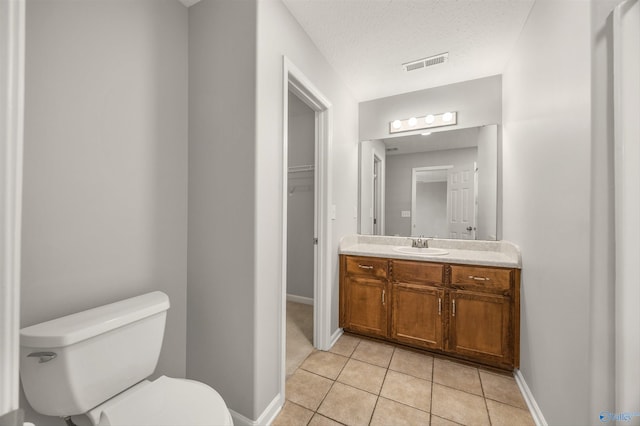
(83, 325)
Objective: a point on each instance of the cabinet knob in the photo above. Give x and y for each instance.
(365, 266)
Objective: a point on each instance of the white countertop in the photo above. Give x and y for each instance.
(486, 253)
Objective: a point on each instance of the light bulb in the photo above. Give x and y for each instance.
(425, 134)
(397, 124)
(429, 119)
(412, 121)
(447, 116)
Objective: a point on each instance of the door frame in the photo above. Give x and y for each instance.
(414, 172)
(12, 22)
(626, 61)
(378, 195)
(295, 81)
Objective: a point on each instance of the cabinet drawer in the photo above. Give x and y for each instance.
(481, 277)
(368, 266)
(417, 272)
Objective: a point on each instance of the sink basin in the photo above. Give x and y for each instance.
(427, 251)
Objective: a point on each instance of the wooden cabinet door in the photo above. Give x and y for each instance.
(480, 327)
(416, 315)
(366, 302)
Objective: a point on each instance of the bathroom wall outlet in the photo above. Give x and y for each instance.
(333, 212)
(405, 213)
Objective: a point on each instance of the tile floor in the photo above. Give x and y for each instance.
(363, 382)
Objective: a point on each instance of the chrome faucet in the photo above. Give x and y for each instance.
(420, 242)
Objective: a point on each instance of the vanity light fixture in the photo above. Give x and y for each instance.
(448, 118)
(425, 133)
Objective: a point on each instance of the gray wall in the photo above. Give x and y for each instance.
(398, 182)
(235, 254)
(105, 161)
(487, 183)
(221, 350)
(300, 202)
(557, 208)
(279, 34)
(478, 102)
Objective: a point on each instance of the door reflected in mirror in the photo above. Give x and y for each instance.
(441, 185)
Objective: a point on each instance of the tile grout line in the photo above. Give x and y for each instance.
(331, 387)
(484, 397)
(381, 386)
(386, 372)
(433, 367)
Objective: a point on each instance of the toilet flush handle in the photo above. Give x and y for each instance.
(44, 356)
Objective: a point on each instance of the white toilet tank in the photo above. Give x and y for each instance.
(71, 364)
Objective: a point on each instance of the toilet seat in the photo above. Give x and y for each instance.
(164, 402)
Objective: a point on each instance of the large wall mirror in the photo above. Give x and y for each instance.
(442, 185)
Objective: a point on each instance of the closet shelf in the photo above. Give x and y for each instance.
(303, 168)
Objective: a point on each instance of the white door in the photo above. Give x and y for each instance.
(461, 209)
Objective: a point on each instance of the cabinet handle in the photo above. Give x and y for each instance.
(365, 266)
(454, 308)
(383, 297)
(439, 306)
(471, 277)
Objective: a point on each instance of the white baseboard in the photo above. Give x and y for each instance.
(335, 336)
(535, 411)
(266, 418)
(299, 299)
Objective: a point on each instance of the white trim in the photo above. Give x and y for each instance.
(299, 299)
(293, 79)
(626, 96)
(535, 411)
(12, 25)
(335, 336)
(266, 418)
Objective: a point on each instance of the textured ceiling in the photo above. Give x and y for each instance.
(367, 41)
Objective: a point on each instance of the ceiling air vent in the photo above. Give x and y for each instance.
(426, 62)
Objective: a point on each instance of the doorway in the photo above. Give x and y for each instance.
(295, 82)
(301, 231)
(443, 201)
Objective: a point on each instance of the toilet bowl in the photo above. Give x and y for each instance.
(164, 402)
(97, 363)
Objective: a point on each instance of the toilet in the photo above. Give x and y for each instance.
(97, 363)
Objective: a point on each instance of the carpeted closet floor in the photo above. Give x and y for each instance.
(299, 334)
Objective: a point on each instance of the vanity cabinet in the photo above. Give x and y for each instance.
(363, 296)
(483, 313)
(417, 294)
(469, 312)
